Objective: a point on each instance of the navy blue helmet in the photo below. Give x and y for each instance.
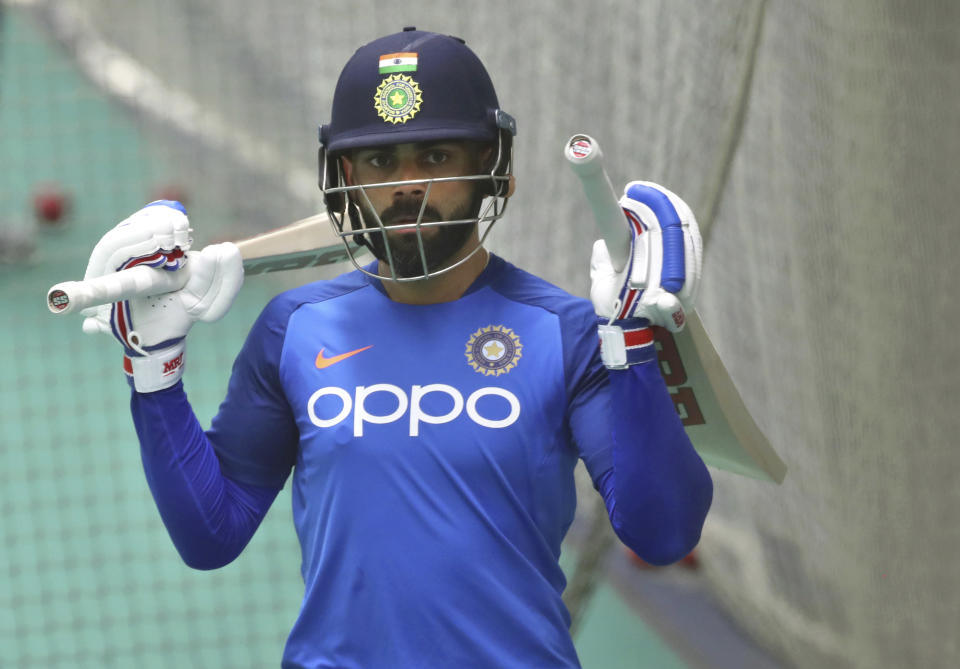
(413, 86)
(449, 94)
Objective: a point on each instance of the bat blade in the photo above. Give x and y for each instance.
(715, 417)
(310, 242)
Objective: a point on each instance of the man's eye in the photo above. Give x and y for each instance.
(435, 158)
(379, 160)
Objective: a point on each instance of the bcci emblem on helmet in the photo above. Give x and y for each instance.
(493, 350)
(398, 98)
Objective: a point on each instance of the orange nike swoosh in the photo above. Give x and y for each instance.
(323, 362)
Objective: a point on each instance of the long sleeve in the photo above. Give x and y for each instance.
(656, 488)
(209, 517)
(213, 488)
(626, 430)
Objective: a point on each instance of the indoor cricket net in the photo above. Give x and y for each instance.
(817, 143)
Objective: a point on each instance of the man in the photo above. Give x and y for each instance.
(431, 404)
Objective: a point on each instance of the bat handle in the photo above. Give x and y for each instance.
(142, 281)
(586, 159)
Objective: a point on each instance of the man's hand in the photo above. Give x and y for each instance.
(152, 329)
(659, 281)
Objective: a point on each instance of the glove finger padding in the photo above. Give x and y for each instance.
(215, 278)
(665, 273)
(163, 321)
(157, 235)
(216, 275)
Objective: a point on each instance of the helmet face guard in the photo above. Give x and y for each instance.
(413, 87)
(346, 202)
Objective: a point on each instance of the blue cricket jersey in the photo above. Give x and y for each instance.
(432, 450)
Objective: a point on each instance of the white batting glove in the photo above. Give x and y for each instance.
(152, 329)
(660, 280)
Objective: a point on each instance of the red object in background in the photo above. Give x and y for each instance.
(171, 191)
(51, 204)
(690, 561)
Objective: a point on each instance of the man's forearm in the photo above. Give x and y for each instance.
(658, 491)
(209, 517)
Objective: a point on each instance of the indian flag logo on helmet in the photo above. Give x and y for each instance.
(391, 63)
(398, 98)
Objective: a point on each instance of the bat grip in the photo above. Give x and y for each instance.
(142, 281)
(586, 159)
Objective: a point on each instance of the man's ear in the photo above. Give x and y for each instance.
(486, 154)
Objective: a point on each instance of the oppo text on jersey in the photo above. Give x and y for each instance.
(409, 406)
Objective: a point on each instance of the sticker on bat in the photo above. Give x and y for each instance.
(675, 376)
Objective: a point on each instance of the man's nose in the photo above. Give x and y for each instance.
(409, 172)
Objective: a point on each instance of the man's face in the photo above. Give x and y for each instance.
(400, 206)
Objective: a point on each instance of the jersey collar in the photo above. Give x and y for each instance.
(494, 266)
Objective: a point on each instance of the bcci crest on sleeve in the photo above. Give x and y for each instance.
(493, 350)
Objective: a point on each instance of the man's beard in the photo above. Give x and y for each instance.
(443, 242)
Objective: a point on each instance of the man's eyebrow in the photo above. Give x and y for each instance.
(376, 149)
(421, 146)
(417, 146)
(371, 151)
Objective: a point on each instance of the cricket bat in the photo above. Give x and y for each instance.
(713, 413)
(310, 242)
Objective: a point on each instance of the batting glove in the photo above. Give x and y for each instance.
(152, 330)
(659, 281)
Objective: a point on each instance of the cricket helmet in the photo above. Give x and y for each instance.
(413, 87)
